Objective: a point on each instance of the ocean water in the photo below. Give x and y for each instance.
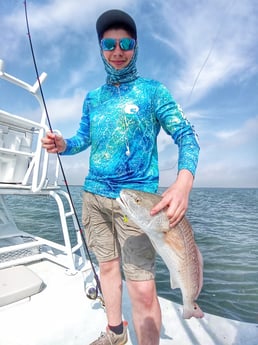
(225, 223)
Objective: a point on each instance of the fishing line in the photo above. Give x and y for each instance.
(98, 287)
(211, 48)
(226, 12)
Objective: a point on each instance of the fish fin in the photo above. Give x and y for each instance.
(192, 310)
(200, 260)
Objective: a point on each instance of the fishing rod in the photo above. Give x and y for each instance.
(98, 286)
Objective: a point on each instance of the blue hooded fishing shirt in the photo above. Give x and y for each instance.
(121, 124)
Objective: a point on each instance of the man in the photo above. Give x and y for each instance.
(121, 121)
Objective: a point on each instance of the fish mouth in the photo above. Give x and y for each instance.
(121, 201)
(123, 205)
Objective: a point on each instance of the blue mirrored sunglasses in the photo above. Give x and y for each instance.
(109, 44)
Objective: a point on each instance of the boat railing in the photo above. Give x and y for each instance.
(22, 160)
(25, 169)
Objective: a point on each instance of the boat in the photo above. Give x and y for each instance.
(48, 289)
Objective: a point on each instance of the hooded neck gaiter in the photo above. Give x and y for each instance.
(129, 73)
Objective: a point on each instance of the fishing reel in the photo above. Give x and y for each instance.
(93, 294)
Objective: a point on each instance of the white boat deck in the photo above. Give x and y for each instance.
(61, 314)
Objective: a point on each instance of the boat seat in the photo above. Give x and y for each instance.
(17, 283)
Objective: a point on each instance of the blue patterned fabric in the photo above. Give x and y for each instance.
(115, 76)
(128, 117)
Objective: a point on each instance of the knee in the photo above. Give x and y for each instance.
(109, 267)
(143, 293)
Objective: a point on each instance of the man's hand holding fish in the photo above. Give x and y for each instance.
(175, 198)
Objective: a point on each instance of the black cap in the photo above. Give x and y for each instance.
(115, 17)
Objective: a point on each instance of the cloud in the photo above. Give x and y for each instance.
(63, 109)
(227, 134)
(228, 158)
(226, 174)
(75, 168)
(53, 18)
(51, 21)
(247, 133)
(213, 42)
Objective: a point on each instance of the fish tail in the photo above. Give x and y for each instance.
(192, 310)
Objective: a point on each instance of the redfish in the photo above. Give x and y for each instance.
(176, 246)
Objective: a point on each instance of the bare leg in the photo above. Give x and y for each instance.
(111, 285)
(146, 311)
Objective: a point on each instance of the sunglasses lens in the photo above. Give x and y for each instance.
(108, 44)
(127, 43)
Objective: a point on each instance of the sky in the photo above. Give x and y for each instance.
(204, 51)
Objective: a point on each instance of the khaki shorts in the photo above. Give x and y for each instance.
(110, 235)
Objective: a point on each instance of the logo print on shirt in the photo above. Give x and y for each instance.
(131, 109)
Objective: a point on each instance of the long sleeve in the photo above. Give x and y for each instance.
(82, 140)
(175, 124)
